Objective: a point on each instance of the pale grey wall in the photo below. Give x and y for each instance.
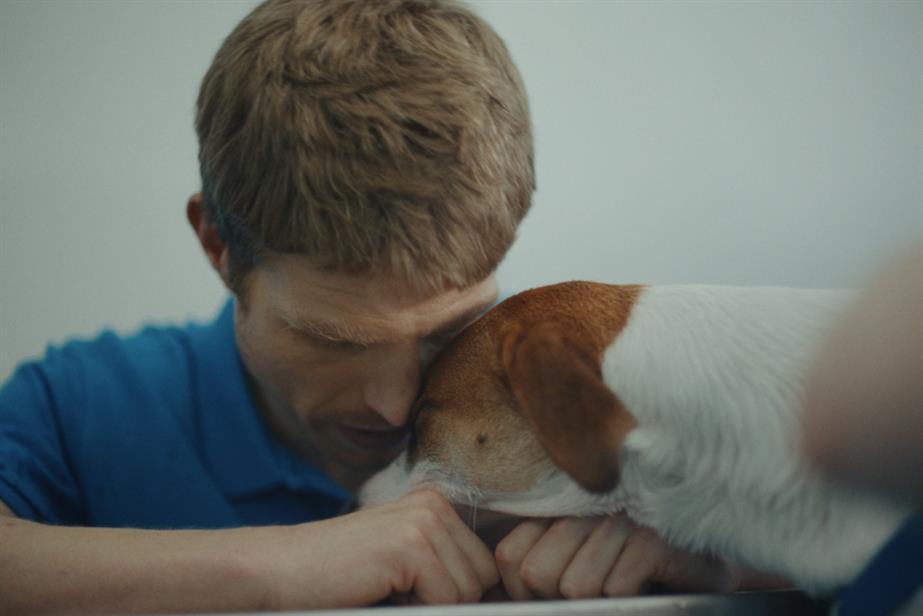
(736, 143)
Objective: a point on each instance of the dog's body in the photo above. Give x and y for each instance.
(678, 405)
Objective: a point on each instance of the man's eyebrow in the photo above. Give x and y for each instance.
(332, 331)
(335, 331)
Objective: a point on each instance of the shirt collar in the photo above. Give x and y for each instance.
(236, 443)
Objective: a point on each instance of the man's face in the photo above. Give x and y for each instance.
(337, 360)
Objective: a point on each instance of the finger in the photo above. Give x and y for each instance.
(587, 571)
(458, 565)
(459, 550)
(647, 558)
(546, 562)
(643, 554)
(430, 580)
(684, 571)
(511, 552)
(477, 556)
(474, 550)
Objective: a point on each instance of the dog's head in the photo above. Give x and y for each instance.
(517, 397)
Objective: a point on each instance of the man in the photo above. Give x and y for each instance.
(364, 168)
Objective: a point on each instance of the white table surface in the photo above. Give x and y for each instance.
(777, 603)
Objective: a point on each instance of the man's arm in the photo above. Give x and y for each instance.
(416, 546)
(46, 568)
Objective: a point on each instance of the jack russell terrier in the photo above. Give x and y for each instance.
(676, 404)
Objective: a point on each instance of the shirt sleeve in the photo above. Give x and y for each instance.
(36, 478)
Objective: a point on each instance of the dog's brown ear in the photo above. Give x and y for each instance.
(555, 377)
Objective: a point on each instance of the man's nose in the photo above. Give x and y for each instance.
(395, 385)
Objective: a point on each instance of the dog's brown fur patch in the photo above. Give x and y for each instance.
(507, 404)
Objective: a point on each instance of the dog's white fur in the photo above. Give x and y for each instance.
(713, 376)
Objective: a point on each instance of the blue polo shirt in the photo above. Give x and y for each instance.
(155, 430)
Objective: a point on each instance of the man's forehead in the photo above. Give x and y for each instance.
(369, 307)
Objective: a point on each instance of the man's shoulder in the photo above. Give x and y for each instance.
(154, 354)
(156, 364)
(109, 354)
(108, 430)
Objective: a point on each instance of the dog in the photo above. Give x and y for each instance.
(678, 405)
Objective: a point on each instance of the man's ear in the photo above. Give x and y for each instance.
(211, 241)
(556, 380)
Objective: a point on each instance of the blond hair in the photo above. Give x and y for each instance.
(371, 136)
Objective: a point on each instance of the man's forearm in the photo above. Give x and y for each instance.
(69, 569)
(416, 546)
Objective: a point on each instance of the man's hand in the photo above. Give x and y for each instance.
(415, 549)
(606, 556)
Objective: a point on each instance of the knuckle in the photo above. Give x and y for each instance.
(491, 575)
(431, 499)
(413, 539)
(419, 497)
(426, 520)
(645, 541)
(441, 504)
(535, 577)
(506, 553)
(562, 527)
